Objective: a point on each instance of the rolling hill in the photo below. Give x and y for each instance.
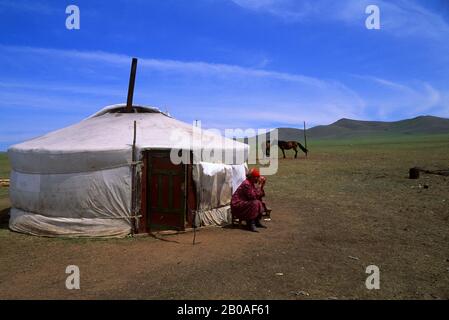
(348, 129)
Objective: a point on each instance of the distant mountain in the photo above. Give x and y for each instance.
(347, 128)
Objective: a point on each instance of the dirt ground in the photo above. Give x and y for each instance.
(344, 208)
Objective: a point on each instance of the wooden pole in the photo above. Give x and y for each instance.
(305, 138)
(132, 80)
(133, 183)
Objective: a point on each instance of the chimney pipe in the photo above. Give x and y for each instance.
(132, 80)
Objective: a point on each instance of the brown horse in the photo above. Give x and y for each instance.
(286, 145)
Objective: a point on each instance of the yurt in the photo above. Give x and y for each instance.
(121, 171)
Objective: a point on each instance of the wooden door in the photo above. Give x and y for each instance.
(166, 196)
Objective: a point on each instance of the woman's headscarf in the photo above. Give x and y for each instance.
(254, 172)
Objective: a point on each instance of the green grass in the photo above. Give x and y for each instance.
(4, 165)
(4, 173)
(382, 140)
(414, 144)
(4, 194)
(350, 197)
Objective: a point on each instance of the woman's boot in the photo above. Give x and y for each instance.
(259, 225)
(251, 225)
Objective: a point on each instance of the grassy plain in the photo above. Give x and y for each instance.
(348, 206)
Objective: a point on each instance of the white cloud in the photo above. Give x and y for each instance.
(392, 99)
(400, 18)
(202, 85)
(221, 95)
(387, 83)
(168, 65)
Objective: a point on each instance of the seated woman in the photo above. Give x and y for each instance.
(246, 202)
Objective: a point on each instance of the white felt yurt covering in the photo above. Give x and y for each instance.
(76, 181)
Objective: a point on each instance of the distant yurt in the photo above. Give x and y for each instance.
(121, 171)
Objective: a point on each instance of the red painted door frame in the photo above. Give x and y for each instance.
(164, 192)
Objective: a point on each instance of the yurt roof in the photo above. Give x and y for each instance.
(120, 108)
(109, 134)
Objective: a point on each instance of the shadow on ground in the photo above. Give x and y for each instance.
(4, 218)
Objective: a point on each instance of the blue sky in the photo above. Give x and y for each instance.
(229, 63)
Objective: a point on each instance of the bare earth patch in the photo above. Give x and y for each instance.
(342, 209)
